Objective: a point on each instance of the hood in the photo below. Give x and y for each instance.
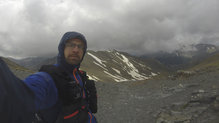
(61, 58)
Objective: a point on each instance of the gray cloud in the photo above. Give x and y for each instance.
(34, 27)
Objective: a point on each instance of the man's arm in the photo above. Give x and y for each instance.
(44, 89)
(16, 99)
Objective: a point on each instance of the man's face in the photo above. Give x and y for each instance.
(74, 50)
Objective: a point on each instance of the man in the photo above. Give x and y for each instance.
(63, 93)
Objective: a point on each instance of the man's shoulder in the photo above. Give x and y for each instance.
(44, 75)
(48, 68)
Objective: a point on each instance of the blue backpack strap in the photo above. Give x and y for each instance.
(91, 118)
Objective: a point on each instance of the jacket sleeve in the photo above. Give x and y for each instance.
(44, 89)
(16, 99)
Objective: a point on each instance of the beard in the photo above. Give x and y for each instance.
(73, 59)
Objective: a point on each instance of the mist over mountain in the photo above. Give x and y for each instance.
(186, 56)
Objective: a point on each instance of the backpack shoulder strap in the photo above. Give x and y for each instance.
(60, 78)
(91, 91)
(83, 75)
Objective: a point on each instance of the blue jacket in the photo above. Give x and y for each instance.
(44, 89)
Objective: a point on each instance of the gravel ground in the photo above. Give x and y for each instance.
(192, 99)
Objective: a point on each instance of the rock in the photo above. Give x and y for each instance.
(192, 85)
(201, 91)
(173, 117)
(215, 105)
(217, 98)
(183, 73)
(202, 96)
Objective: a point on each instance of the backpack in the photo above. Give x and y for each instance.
(79, 112)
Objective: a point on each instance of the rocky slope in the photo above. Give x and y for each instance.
(194, 99)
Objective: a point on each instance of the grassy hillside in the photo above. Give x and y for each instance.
(210, 63)
(14, 66)
(19, 71)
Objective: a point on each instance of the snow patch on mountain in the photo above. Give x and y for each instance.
(153, 74)
(117, 71)
(92, 77)
(211, 49)
(99, 65)
(131, 70)
(116, 77)
(97, 59)
(100, 62)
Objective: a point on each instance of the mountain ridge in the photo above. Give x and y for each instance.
(117, 66)
(185, 57)
(111, 66)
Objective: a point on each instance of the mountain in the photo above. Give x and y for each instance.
(116, 66)
(173, 61)
(18, 70)
(185, 57)
(34, 63)
(198, 50)
(110, 66)
(210, 63)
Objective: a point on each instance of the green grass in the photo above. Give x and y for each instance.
(210, 63)
(14, 66)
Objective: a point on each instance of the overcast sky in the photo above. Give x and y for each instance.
(35, 27)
